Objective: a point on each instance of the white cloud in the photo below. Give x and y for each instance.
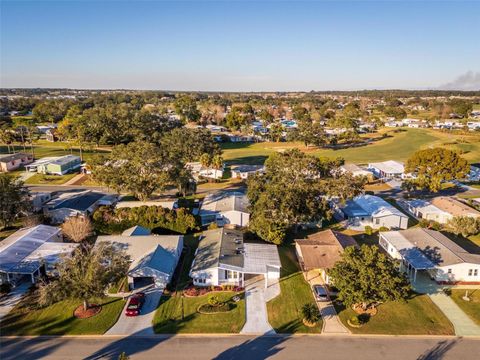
(468, 81)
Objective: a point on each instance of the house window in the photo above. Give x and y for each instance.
(226, 274)
(200, 281)
(475, 272)
(470, 272)
(377, 221)
(449, 271)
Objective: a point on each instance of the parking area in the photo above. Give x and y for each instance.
(141, 324)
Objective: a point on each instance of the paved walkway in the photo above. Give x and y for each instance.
(141, 324)
(256, 316)
(8, 302)
(331, 322)
(74, 180)
(464, 326)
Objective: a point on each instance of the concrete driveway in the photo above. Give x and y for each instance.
(8, 302)
(141, 324)
(256, 316)
(331, 322)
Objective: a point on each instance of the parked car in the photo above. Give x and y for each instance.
(321, 293)
(135, 304)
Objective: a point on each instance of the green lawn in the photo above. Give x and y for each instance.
(168, 317)
(472, 307)
(398, 146)
(284, 312)
(417, 316)
(58, 318)
(41, 179)
(43, 149)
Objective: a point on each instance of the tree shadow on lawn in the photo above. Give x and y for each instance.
(248, 160)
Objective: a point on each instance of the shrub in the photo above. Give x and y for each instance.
(213, 300)
(213, 226)
(424, 223)
(383, 228)
(310, 313)
(354, 320)
(368, 230)
(109, 220)
(5, 288)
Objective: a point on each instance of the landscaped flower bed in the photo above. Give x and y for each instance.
(215, 309)
(200, 291)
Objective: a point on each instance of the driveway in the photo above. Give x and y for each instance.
(255, 298)
(464, 326)
(141, 324)
(8, 302)
(331, 322)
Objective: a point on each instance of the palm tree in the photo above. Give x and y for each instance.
(310, 313)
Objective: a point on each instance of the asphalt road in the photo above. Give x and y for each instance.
(241, 347)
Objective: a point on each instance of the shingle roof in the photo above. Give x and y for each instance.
(454, 206)
(439, 249)
(219, 246)
(12, 157)
(136, 231)
(322, 249)
(144, 250)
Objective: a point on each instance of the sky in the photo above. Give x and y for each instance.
(240, 45)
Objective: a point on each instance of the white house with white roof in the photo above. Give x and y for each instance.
(373, 211)
(390, 169)
(225, 207)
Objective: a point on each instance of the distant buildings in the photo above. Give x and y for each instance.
(69, 204)
(12, 162)
(200, 171)
(56, 165)
(387, 169)
(244, 171)
(356, 170)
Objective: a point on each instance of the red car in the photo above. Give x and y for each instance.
(135, 304)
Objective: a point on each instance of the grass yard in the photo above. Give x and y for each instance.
(168, 317)
(41, 179)
(43, 149)
(58, 318)
(472, 307)
(417, 316)
(398, 146)
(284, 312)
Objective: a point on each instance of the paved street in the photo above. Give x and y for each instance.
(141, 324)
(241, 347)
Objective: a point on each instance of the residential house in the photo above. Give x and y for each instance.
(200, 171)
(373, 211)
(356, 170)
(60, 166)
(172, 204)
(69, 204)
(222, 258)
(51, 135)
(454, 207)
(225, 207)
(31, 252)
(38, 199)
(244, 171)
(153, 257)
(433, 253)
(423, 209)
(12, 162)
(387, 169)
(320, 251)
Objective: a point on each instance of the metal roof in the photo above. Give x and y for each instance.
(75, 201)
(11, 157)
(258, 257)
(223, 201)
(370, 205)
(389, 167)
(23, 251)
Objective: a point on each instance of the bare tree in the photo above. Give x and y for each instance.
(77, 228)
(32, 220)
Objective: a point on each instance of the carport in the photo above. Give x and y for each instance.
(413, 261)
(261, 259)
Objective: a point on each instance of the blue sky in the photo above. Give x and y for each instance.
(247, 46)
